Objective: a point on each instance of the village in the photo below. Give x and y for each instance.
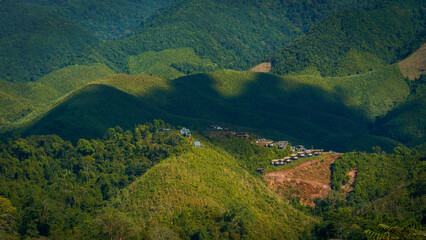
(298, 151)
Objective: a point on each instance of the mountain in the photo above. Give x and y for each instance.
(108, 19)
(265, 104)
(204, 194)
(35, 41)
(355, 40)
(231, 34)
(20, 99)
(407, 122)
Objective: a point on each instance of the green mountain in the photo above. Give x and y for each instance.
(407, 122)
(203, 194)
(108, 19)
(35, 41)
(20, 99)
(265, 104)
(231, 34)
(355, 40)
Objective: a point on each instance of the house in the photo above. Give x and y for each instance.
(197, 144)
(215, 127)
(185, 132)
(282, 144)
(260, 170)
(164, 129)
(242, 134)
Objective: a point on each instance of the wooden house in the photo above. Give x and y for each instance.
(260, 170)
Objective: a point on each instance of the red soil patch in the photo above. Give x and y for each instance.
(306, 181)
(349, 186)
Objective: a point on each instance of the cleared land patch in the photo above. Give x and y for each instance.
(414, 65)
(306, 181)
(263, 67)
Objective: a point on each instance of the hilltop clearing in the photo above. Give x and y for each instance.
(307, 181)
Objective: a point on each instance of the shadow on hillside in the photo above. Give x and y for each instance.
(267, 105)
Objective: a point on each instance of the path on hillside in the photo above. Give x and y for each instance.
(306, 181)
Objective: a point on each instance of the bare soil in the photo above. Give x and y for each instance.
(263, 67)
(349, 186)
(306, 181)
(415, 64)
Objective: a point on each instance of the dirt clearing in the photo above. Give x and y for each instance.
(306, 181)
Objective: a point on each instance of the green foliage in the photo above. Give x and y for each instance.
(395, 233)
(107, 19)
(271, 106)
(35, 41)
(232, 34)
(170, 63)
(356, 40)
(203, 194)
(19, 99)
(249, 155)
(7, 219)
(383, 192)
(373, 94)
(58, 190)
(69, 78)
(407, 122)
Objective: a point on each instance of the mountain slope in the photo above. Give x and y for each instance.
(406, 123)
(92, 110)
(107, 19)
(205, 195)
(35, 41)
(260, 103)
(356, 40)
(231, 34)
(19, 99)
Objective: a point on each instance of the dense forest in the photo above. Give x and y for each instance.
(355, 40)
(151, 182)
(56, 187)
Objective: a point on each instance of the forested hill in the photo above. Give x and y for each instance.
(356, 40)
(35, 41)
(232, 34)
(106, 19)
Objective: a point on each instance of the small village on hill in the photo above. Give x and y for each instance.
(297, 151)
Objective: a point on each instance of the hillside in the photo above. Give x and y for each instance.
(231, 34)
(373, 94)
(205, 195)
(414, 65)
(355, 40)
(35, 41)
(20, 99)
(68, 79)
(107, 19)
(261, 103)
(406, 123)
